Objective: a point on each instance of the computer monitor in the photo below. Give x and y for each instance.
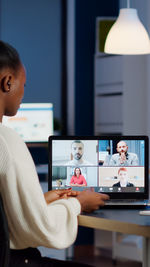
(33, 122)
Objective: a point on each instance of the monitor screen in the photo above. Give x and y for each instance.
(33, 121)
(114, 165)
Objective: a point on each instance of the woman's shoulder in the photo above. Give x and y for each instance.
(9, 133)
(11, 138)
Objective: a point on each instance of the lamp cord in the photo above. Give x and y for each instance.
(128, 3)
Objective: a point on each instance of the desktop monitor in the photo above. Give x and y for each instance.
(33, 122)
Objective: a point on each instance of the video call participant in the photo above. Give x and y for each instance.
(123, 157)
(123, 178)
(34, 218)
(78, 179)
(77, 151)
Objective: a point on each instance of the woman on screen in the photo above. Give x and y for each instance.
(78, 179)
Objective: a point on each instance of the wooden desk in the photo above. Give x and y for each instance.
(123, 221)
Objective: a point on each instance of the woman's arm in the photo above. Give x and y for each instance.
(84, 181)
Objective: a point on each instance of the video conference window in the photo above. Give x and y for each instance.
(79, 158)
(106, 165)
(121, 178)
(121, 153)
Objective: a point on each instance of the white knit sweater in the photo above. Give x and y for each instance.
(31, 221)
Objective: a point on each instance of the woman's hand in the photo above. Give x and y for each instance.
(91, 200)
(53, 195)
(88, 199)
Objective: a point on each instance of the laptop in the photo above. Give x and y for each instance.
(115, 165)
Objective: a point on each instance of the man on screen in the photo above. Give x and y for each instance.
(123, 157)
(123, 178)
(77, 151)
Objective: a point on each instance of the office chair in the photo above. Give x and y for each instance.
(4, 237)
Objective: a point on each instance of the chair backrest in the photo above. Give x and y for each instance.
(4, 237)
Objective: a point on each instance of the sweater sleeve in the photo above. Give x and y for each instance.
(32, 222)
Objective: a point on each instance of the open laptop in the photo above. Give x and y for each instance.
(115, 165)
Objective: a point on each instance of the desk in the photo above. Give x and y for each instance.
(123, 221)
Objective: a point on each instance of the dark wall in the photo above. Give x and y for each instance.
(85, 17)
(34, 29)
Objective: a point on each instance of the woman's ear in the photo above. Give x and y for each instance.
(6, 83)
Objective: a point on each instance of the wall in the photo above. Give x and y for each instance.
(148, 73)
(83, 36)
(84, 59)
(136, 75)
(71, 66)
(34, 28)
(135, 94)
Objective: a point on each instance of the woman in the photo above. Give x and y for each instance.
(78, 179)
(34, 219)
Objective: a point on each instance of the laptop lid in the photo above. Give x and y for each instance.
(116, 165)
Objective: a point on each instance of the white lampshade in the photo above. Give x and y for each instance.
(127, 36)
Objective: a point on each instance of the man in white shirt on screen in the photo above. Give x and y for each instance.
(77, 151)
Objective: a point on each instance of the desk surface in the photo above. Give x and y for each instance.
(124, 221)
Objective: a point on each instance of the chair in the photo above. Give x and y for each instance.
(4, 237)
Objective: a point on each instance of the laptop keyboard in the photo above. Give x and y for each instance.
(126, 202)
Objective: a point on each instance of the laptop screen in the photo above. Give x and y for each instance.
(117, 165)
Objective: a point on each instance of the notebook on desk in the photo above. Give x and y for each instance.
(115, 165)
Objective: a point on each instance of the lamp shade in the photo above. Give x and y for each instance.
(127, 36)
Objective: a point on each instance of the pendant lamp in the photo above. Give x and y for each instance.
(127, 36)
